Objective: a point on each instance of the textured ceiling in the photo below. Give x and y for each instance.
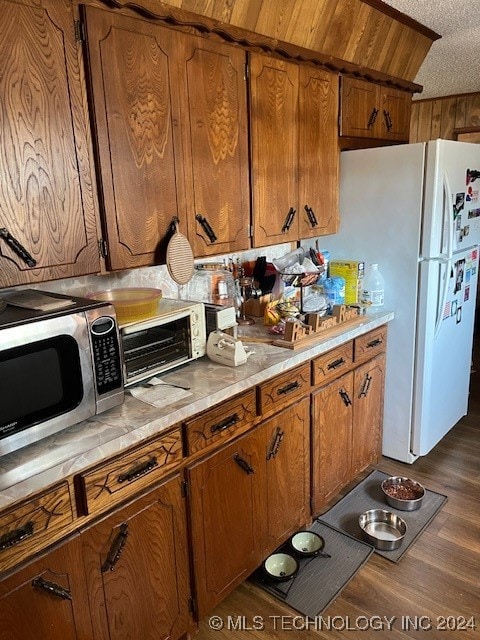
(452, 65)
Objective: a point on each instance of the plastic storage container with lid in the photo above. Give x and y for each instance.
(212, 283)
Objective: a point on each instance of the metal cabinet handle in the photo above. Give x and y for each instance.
(388, 120)
(53, 588)
(116, 549)
(336, 363)
(225, 424)
(243, 464)
(374, 343)
(288, 388)
(206, 227)
(19, 249)
(12, 538)
(277, 441)
(345, 397)
(311, 216)
(138, 470)
(365, 386)
(289, 219)
(373, 117)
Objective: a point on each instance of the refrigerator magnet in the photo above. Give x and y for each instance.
(459, 204)
(458, 315)
(467, 293)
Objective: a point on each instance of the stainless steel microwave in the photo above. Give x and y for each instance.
(56, 369)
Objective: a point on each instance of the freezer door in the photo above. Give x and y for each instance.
(451, 211)
(443, 355)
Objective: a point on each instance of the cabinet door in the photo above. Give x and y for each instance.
(225, 495)
(368, 413)
(288, 473)
(395, 117)
(216, 146)
(134, 91)
(331, 440)
(360, 108)
(47, 599)
(136, 563)
(318, 152)
(46, 193)
(274, 149)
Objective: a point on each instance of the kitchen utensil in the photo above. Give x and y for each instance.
(384, 529)
(179, 256)
(280, 566)
(308, 543)
(224, 349)
(402, 493)
(131, 304)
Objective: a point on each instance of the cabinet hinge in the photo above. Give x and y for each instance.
(102, 248)
(79, 31)
(250, 230)
(184, 488)
(247, 71)
(192, 605)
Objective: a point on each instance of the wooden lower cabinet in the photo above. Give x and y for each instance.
(245, 500)
(137, 568)
(47, 600)
(346, 429)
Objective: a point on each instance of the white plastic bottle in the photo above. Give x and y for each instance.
(373, 289)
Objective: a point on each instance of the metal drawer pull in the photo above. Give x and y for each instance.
(336, 363)
(225, 424)
(311, 216)
(365, 386)
(138, 470)
(388, 120)
(17, 535)
(15, 246)
(291, 386)
(116, 549)
(206, 227)
(345, 397)
(374, 343)
(53, 588)
(243, 464)
(289, 219)
(277, 441)
(373, 117)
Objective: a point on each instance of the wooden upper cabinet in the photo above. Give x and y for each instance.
(46, 193)
(369, 110)
(216, 146)
(318, 156)
(274, 141)
(135, 106)
(294, 150)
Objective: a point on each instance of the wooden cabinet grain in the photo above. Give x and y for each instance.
(47, 599)
(294, 151)
(369, 110)
(137, 568)
(238, 499)
(170, 118)
(47, 197)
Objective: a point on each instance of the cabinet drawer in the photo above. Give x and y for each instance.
(332, 364)
(282, 389)
(222, 423)
(33, 525)
(368, 345)
(109, 483)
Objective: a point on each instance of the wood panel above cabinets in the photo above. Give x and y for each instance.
(48, 223)
(170, 120)
(294, 150)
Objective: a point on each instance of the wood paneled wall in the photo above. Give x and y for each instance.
(438, 117)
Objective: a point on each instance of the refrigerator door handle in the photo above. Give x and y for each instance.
(447, 222)
(442, 298)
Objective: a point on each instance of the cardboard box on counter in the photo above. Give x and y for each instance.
(352, 271)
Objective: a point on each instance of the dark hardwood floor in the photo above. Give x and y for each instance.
(436, 585)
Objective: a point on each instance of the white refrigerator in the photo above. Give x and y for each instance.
(415, 210)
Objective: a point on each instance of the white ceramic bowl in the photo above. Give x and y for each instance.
(307, 543)
(280, 566)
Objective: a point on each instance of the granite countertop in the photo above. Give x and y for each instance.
(37, 466)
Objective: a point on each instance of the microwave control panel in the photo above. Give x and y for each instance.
(106, 354)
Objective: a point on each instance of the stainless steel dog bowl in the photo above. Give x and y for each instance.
(384, 529)
(402, 493)
(280, 566)
(307, 543)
